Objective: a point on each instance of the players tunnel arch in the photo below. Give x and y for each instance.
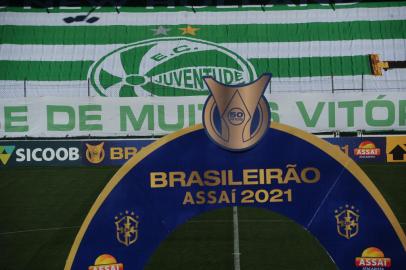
(289, 172)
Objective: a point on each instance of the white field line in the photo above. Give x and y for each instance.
(192, 221)
(236, 239)
(209, 18)
(40, 230)
(388, 49)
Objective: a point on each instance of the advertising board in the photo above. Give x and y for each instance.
(40, 153)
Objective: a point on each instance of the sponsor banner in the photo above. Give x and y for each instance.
(117, 152)
(365, 149)
(373, 258)
(69, 152)
(396, 149)
(40, 153)
(61, 117)
(101, 153)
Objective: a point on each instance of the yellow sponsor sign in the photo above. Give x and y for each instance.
(396, 149)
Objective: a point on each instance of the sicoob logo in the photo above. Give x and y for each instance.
(167, 67)
(5, 153)
(236, 117)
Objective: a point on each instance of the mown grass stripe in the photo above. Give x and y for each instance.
(283, 67)
(114, 34)
(44, 70)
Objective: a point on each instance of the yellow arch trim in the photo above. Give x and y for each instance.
(326, 147)
(353, 168)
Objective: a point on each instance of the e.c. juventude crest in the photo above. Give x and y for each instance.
(127, 228)
(170, 66)
(236, 117)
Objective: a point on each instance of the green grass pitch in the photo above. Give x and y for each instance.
(41, 210)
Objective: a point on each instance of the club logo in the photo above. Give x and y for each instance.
(95, 153)
(5, 153)
(373, 258)
(106, 262)
(236, 117)
(167, 67)
(347, 221)
(367, 149)
(127, 228)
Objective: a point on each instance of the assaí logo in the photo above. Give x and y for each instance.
(373, 258)
(167, 67)
(106, 262)
(367, 149)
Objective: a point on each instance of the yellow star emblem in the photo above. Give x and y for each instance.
(189, 30)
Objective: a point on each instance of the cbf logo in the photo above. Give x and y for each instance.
(167, 67)
(127, 228)
(347, 221)
(236, 117)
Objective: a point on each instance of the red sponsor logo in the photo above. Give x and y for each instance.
(367, 149)
(117, 266)
(373, 258)
(106, 262)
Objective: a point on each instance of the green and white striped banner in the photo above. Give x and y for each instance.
(166, 51)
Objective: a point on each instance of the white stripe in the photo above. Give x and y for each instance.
(15, 89)
(54, 52)
(388, 49)
(210, 18)
(393, 80)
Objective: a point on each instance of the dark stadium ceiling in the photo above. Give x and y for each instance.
(142, 3)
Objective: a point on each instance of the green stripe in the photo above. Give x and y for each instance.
(283, 67)
(44, 70)
(366, 4)
(117, 34)
(313, 66)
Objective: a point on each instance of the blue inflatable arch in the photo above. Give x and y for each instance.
(322, 189)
